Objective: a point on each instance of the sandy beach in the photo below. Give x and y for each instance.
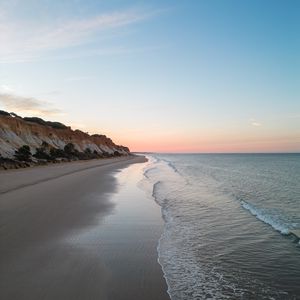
(77, 231)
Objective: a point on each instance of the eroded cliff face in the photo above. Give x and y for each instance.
(16, 132)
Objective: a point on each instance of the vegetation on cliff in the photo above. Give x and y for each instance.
(30, 141)
(23, 153)
(56, 125)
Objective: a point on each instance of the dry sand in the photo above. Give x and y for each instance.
(17, 178)
(54, 243)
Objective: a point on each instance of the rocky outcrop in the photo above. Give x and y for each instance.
(34, 132)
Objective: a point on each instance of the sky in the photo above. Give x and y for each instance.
(161, 76)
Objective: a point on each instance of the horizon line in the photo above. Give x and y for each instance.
(159, 152)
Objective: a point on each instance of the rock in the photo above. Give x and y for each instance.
(51, 137)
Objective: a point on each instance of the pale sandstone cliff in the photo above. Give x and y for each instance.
(16, 132)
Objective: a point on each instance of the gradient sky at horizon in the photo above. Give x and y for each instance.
(166, 76)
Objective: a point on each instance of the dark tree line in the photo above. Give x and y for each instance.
(45, 152)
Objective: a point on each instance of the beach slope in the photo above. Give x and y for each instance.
(53, 245)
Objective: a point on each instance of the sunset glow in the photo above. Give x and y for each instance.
(197, 76)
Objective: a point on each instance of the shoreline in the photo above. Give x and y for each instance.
(8, 164)
(66, 237)
(12, 179)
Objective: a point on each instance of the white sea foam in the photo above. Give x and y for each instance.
(170, 165)
(186, 279)
(263, 215)
(195, 241)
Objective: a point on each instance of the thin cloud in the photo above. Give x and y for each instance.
(27, 105)
(104, 52)
(255, 123)
(27, 41)
(79, 78)
(6, 88)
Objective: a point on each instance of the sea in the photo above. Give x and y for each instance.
(227, 224)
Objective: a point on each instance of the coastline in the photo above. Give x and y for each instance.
(64, 234)
(18, 178)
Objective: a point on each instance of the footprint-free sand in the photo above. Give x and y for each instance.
(80, 230)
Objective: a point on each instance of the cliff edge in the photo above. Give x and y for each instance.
(38, 134)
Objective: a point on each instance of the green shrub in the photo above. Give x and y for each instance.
(4, 113)
(23, 153)
(88, 151)
(55, 125)
(116, 153)
(56, 153)
(69, 148)
(42, 154)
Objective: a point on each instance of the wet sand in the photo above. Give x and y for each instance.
(72, 232)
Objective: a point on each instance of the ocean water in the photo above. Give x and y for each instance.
(227, 222)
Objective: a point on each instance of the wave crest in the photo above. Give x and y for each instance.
(267, 218)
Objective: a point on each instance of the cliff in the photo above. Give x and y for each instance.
(35, 132)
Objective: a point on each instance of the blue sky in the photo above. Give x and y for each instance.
(183, 76)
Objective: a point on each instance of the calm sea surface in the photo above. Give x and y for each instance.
(227, 223)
